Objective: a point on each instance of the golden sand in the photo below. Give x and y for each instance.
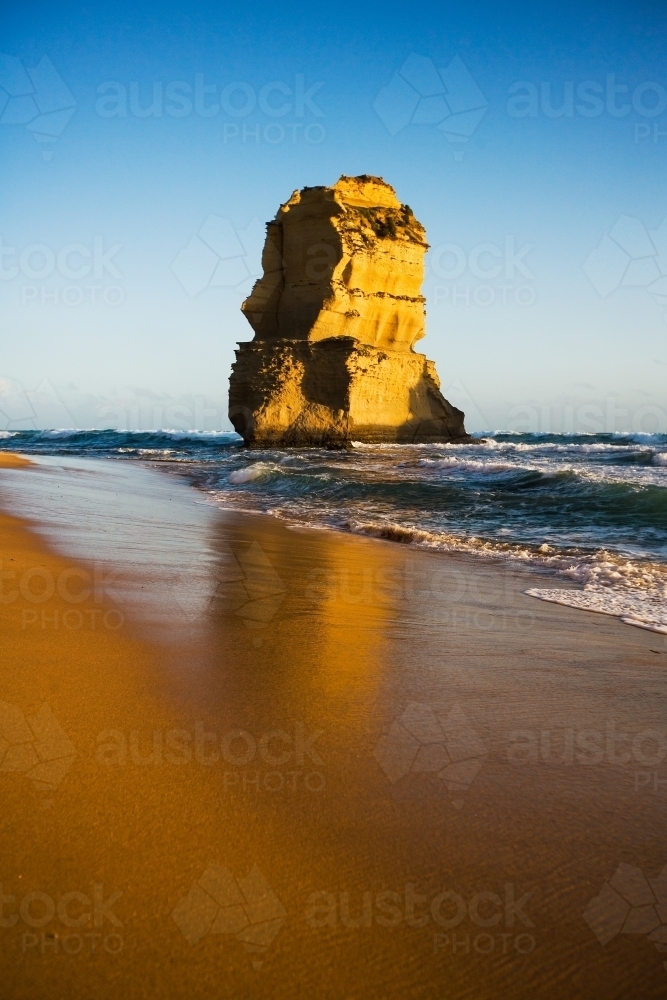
(265, 758)
(10, 460)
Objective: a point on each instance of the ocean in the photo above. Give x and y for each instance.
(587, 508)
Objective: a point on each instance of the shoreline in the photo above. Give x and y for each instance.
(540, 568)
(588, 578)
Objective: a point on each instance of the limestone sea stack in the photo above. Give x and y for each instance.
(336, 315)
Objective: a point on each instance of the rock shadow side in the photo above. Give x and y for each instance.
(332, 392)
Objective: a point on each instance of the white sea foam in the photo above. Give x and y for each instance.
(62, 432)
(556, 459)
(643, 608)
(470, 465)
(194, 435)
(176, 434)
(597, 567)
(153, 452)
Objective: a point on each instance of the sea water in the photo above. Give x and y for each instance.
(589, 508)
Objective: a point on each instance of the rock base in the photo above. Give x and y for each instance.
(328, 393)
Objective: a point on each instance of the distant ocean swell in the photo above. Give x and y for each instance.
(590, 508)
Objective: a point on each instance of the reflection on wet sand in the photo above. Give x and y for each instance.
(349, 769)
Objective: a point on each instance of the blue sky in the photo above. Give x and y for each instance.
(536, 315)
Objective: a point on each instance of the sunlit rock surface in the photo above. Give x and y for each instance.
(336, 315)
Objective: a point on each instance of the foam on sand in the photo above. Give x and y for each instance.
(643, 609)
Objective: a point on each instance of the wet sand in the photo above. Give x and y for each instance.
(300, 763)
(9, 460)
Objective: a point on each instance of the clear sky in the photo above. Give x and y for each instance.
(531, 142)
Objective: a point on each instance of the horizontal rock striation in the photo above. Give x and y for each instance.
(336, 315)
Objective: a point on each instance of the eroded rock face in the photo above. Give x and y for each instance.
(336, 314)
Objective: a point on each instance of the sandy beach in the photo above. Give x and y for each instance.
(244, 760)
